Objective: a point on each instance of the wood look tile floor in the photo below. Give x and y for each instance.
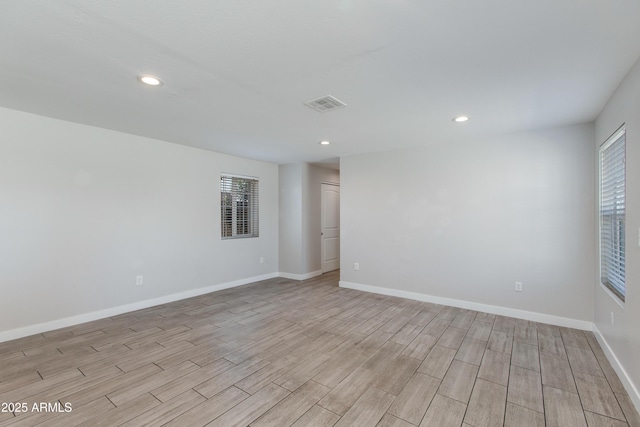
(287, 353)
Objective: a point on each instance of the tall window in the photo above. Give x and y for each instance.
(238, 206)
(612, 213)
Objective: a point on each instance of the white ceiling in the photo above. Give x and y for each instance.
(237, 72)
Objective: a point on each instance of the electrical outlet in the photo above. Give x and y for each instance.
(261, 260)
(518, 286)
(356, 266)
(139, 279)
(613, 319)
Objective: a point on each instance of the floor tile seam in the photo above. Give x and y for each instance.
(407, 421)
(620, 404)
(608, 417)
(577, 394)
(614, 395)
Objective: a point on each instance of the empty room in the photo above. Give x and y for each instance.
(316, 213)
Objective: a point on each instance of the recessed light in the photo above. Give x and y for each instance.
(460, 119)
(150, 80)
(325, 142)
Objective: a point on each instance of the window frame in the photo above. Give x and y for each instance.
(239, 206)
(612, 214)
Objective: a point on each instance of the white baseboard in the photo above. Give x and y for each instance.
(305, 276)
(632, 390)
(486, 308)
(114, 311)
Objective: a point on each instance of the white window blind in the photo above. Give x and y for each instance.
(239, 206)
(612, 213)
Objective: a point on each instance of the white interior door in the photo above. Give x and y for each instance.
(330, 227)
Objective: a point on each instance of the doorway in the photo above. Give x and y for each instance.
(330, 227)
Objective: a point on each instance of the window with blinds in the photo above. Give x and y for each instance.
(612, 213)
(239, 206)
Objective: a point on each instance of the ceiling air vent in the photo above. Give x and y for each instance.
(325, 103)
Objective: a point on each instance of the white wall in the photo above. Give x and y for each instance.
(300, 200)
(290, 222)
(623, 337)
(84, 210)
(465, 221)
